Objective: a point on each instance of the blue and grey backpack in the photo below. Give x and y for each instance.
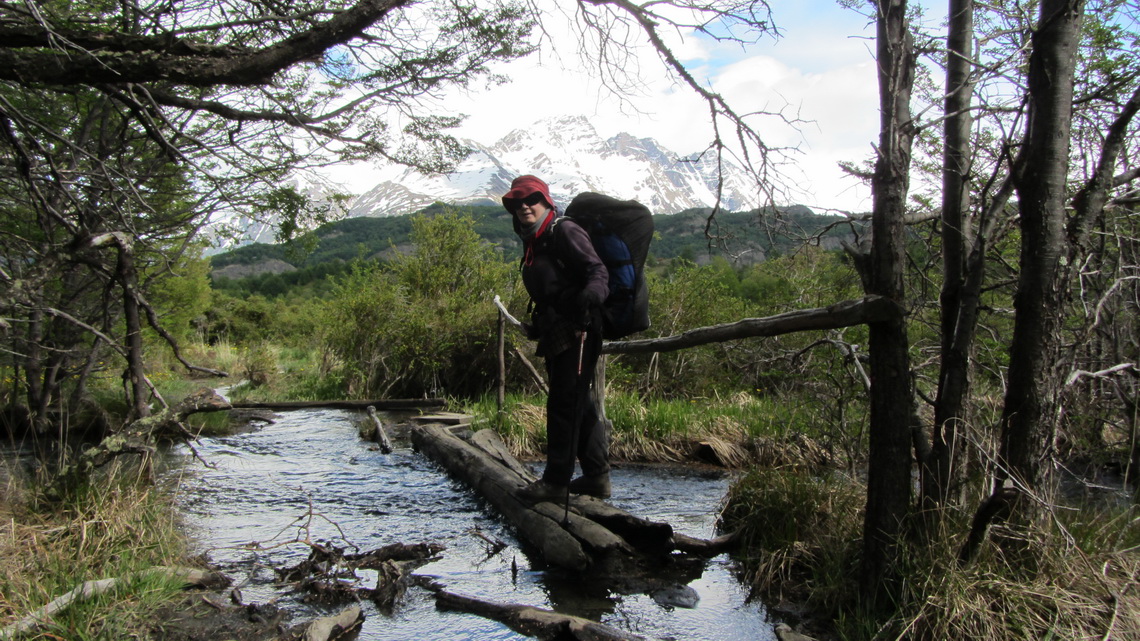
(620, 231)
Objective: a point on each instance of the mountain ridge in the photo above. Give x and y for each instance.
(747, 241)
(570, 155)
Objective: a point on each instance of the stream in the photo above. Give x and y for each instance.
(310, 475)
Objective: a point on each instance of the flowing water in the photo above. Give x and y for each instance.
(309, 475)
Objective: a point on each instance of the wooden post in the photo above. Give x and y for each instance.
(599, 393)
(381, 435)
(501, 395)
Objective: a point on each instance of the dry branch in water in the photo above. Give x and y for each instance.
(532, 621)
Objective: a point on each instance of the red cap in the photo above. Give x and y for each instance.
(524, 186)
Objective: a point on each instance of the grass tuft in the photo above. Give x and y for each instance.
(738, 430)
(802, 532)
(114, 529)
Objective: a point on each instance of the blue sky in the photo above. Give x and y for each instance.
(821, 70)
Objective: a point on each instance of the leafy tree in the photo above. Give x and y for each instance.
(181, 294)
(1008, 181)
(125, 126)
(423, 324)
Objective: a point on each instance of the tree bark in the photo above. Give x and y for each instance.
(1041, 178)
(958, 306)
(127, 276)
(888, 479)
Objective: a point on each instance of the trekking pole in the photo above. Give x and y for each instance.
(574, 428)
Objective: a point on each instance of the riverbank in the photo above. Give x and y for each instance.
(802, 528)
(116, 528)
(149, 618)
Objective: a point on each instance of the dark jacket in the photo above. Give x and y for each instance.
(567, 283)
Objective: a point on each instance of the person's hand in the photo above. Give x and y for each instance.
(586, 300)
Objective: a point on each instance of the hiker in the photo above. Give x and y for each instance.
(567, 283)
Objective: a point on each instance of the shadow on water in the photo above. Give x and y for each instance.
(309, 477)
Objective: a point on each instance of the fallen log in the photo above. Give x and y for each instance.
(532, 621)
(380, 404)
(592, 536)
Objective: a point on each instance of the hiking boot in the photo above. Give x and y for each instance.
(597, 485)
(540, 491)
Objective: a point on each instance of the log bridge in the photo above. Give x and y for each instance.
(592, 537)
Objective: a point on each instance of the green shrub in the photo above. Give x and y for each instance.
(425, 324)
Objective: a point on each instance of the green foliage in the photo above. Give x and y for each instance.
(425, 323)
(289, 321)
(309, 281)
(258, 364)
(684, 299)
(181, 296)
(799, 534)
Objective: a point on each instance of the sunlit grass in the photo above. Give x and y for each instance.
(655, 430)
(109, 529)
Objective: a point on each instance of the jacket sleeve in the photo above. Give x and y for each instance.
(583, 260)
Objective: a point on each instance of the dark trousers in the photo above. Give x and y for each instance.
(569, 403)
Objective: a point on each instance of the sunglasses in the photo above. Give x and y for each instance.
(514, 204)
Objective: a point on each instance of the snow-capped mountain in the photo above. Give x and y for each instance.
(566, 152)
(571, 157)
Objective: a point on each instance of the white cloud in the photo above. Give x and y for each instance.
(821, 71)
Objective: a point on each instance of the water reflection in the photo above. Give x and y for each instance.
(308, 477)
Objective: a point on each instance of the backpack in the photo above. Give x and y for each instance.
(620, 231)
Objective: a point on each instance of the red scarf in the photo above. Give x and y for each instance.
(528, 251)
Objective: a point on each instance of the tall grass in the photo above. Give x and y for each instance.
(802, 536)
(110, 529)
(656, 430)
(521, 423)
